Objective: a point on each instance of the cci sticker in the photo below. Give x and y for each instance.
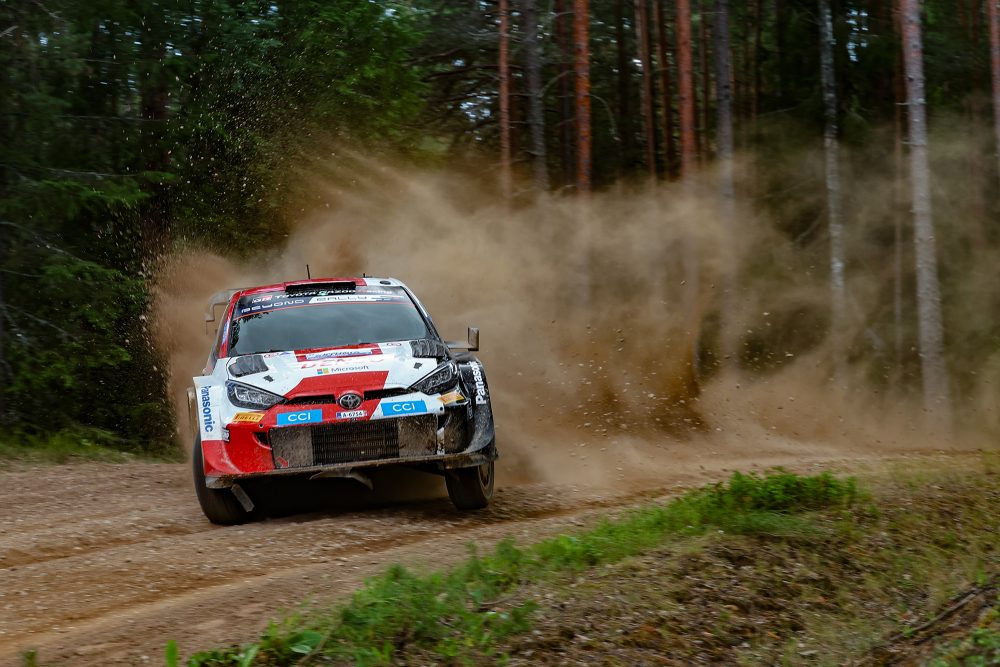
(304, 417)
(404, 408)
(248, 417)
(352, 414)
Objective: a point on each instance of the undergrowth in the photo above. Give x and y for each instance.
(451, 615)
(77, 444)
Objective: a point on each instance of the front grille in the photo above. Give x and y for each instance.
(327, 444)
(356, 441)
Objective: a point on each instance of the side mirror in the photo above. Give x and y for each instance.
(472, 345)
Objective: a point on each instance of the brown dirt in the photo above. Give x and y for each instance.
(104, 563)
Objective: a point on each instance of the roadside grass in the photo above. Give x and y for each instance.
(979, 648)
(464, 614)
(75, 445)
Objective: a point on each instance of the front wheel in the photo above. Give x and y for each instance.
(219, 505)
(471, 488)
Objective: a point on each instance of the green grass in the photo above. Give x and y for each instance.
(450, 616)
(75, 444)
(981, 647)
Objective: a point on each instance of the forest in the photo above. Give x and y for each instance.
(860, 137)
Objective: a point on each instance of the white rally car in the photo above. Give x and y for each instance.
(329, 377)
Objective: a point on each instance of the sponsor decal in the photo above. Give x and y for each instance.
(304, 417)
(477, 379)
(354, 298)
(352, 414)
(333, 370)
(272, 306)
(330, 354)
(248, 417)
(404, 408)
(452, 397)
(206, 411)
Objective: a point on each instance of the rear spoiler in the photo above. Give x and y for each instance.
(220, 298)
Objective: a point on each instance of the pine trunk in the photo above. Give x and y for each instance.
(834, 222)
(706, 80)
(648, 125)
(666, 94)
(567, 119)
(993, 10)
(724, 141)
(504, 69)
(685, 76)
(536, 102)
(930, 326)
(626, 132)
(581, 50)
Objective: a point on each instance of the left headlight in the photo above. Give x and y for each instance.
(441, 378)
(246, 396)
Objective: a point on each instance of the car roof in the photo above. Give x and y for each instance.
(363, 281)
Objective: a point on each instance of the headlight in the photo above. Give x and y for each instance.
(441, 378)
(250, 397)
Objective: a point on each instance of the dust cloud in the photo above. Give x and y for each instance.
(592, 316)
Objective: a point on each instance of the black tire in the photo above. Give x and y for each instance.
(471, 488)
(219, 505)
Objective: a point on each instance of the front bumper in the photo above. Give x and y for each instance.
(466, 459)
(452, 440)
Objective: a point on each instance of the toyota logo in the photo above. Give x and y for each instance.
(350, 400)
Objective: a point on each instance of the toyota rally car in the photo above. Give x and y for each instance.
(328, 378)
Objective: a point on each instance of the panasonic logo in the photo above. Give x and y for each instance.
(206, 411)
(477, 379)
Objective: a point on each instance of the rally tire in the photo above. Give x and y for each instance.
(471, 488)
(219, 505)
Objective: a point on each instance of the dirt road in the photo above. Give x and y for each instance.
(103, 564)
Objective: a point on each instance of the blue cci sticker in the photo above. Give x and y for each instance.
(304, 417)
(404, 408)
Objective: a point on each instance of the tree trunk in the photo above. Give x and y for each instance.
(993, 10)
(835, 225)
(648, 126)
(724, 141)
(685, 76)
(536, 102)
(706, 79)
(504, 69)
(567, 119)
(627, 155)
(670, 148)
(899, 96)
(581, 43)
(930, 326)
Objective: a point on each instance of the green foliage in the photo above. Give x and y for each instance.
(981, 646)
(458, 614)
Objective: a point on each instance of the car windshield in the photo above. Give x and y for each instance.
(305, 320)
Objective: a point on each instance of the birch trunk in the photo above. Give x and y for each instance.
(581, 65)
(931, 329)
(504, 69)
(993, 10)
(835, 224)
(536, 105)
(648, 127)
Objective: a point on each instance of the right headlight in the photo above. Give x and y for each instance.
(443, 377)
(246, 396)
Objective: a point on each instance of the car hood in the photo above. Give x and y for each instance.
(320, 372)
